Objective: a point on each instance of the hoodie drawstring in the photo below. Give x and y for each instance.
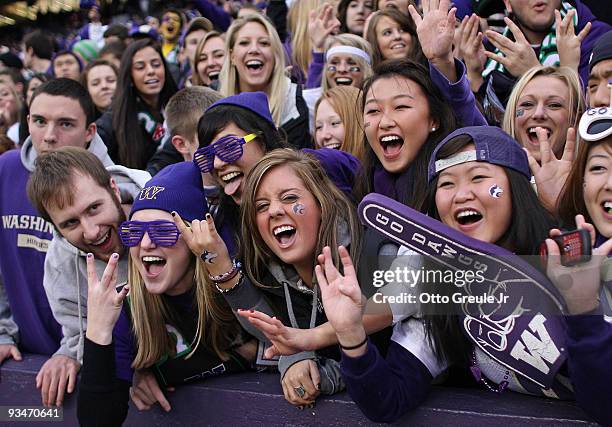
(313, 314)
(80, 312)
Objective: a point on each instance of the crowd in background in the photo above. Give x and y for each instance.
(179, 192)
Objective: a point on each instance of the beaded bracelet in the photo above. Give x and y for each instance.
(224, 291)
(228, 275)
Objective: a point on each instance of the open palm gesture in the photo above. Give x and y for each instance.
(436, 29)
(341, 294)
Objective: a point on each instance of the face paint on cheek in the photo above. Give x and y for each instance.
(496, 191)
(298, 209)
(520, 112)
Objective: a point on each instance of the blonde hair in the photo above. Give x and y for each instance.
(353, 41)
(565, 74)
(216, 322)
(278, 85)
(297, 20)
(195, 76)
(334, 205)
(14, 116)
(346, 102)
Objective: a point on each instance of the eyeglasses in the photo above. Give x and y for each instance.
(229, 149)
(596, 124)
(162, 233)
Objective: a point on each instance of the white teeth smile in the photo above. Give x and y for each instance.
(467, 213)
(344, 81)
(334, 146)
(608, 205)
(390, 138)
(213, 75)
(228, 177)
(152, 259)
(254, 64)
(398, 46)
(102, 240)
(282, 228)
(151, 82)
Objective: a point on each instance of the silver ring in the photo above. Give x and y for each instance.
(300, 391)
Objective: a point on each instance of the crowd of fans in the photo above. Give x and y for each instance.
(179, 199)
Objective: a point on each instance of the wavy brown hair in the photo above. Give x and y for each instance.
(335, 207)
(406, 23)
(571, 201)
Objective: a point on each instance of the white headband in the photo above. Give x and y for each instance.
(457, 159)
(350, 50)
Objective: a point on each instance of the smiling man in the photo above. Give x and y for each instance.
(61, 114)
(73, 190)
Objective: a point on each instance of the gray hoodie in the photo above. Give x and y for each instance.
(8, 327)
(248, 296)
(96, 146)
(65, 279)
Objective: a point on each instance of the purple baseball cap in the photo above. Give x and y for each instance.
(493, 145)
(257, 102)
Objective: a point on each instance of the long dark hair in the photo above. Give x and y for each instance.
(571, 201)
(127, 103)
(529, 227)
(217, 118)
(414, 194)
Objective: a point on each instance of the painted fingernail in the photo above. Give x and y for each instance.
(300, 408)
(115, 255)
(319, 386)
(90, 255)
(173, 213)
(208, 216)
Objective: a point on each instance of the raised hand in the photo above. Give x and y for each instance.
(580, 284)
(322, 23)
(341, 295)
(204, 241)
(568, 43)
(551, 173)
(471, 50)
(519, 56)
(436, 29)
(103, 301)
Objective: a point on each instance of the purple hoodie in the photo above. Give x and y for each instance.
(24, 237)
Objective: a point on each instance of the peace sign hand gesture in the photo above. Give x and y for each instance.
(103, 301)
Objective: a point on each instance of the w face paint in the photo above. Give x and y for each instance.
(496, 191)
(298, 209)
